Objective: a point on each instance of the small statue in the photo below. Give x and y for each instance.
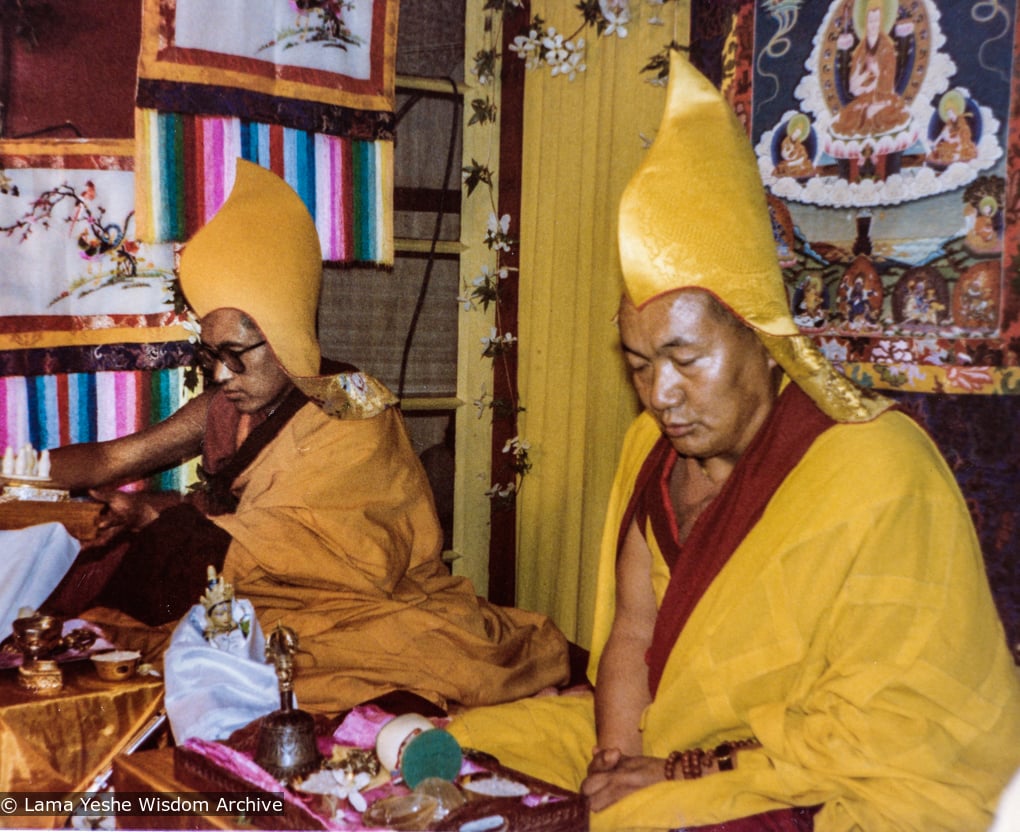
(222, 629)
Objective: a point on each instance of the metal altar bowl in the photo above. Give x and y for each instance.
(116, 665)
(38, 636)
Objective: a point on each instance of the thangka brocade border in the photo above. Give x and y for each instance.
(328, 134)
(163, 59)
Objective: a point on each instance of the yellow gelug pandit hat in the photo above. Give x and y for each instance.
(695, 216)
(260, 254)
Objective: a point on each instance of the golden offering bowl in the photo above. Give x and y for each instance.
(38, 637)
(116, 665)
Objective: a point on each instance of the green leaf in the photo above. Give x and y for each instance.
(476, 174)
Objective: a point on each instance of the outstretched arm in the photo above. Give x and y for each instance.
(117, 461)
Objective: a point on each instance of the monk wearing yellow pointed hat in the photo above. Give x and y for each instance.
(316, 507)
(793, 625)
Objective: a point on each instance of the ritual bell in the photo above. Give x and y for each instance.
(286, 745)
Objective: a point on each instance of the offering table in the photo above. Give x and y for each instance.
(59, 742)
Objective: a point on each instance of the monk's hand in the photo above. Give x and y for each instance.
(604, 759)
(123, 510)
(613, 775)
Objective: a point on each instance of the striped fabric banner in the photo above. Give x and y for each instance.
(185, 167)
(54, 410)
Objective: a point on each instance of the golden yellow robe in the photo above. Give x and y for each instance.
(335, 536)
(852, 632)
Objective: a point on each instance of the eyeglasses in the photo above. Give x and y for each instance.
(228, 357)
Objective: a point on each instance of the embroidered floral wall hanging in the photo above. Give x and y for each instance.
(74, 272)
(91, 346)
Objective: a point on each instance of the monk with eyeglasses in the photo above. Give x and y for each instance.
(313, 503)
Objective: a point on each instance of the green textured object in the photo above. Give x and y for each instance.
(432, 753)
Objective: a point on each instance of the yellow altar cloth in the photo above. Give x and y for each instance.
(61, 742)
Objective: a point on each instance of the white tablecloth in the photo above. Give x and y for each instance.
(32, 562)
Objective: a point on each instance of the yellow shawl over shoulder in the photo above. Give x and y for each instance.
(852, 632)
(336, 536)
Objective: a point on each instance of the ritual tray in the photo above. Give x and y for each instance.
(557, 810)
(196, 771)
(78, 516)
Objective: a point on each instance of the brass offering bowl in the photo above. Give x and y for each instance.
(39, 638)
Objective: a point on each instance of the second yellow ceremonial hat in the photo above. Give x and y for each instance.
(695, 216)
(260, 254)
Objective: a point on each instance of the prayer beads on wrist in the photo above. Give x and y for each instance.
(694, 762)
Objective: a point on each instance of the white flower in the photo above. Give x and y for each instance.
(466, 302)
(527, 48)
(349, 786)
(482, 402)
(524, 45)
(498, 341)
(555, 51)
(501, 490)
(616, 27)
(516, 445)
(488, 277)
(497, 231)
(575, 62)
(501, 224)
(617, 14)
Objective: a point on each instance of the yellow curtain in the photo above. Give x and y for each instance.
(583, 139)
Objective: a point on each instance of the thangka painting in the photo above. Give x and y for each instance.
(304, 89)
(886, 134)
(73, 273)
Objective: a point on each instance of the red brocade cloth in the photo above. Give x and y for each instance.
(792, 426)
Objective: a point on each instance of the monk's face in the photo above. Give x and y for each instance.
(874, 24)
(705, 377)
(257, 380)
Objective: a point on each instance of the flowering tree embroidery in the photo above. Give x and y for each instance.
(108, 247)
(318, 21)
